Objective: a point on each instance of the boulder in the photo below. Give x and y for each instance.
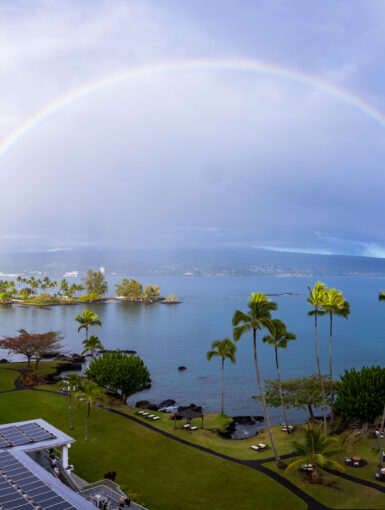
(167, 403)
(193, 407)
(3, 361)
(69, 365)
(51, 355)
(228, 431)
(78, 358)
(145, 404)
(181, 368)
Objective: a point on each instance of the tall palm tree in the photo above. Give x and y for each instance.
(86, 320)
(92, 345)
(316, 300)
(225, 349)
(317, 450)
(278, 338)
(334, 304)
(257, 317)
(70, 384)
(89, 392)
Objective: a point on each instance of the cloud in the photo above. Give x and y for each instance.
(238, 158)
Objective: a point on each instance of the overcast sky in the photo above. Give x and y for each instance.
(201, 158)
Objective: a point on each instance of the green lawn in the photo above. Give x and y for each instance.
(168, 475)
(335, 492)
(7, 377)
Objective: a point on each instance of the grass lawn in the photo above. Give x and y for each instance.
(207, 437)
(335, 492)
(7, 377)
(166, 474)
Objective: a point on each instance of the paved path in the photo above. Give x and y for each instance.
(253, 464)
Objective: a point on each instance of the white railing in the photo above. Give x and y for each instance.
(109, 491)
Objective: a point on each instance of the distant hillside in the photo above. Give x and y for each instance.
(237, 262)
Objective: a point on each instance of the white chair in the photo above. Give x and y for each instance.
(156, 418)
(254, 447)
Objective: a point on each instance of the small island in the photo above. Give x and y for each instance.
(44, 292)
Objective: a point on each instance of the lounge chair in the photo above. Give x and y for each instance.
(262, 446)
(306, 467)
(145, 414)
(156, 418)
(139, 412)
(150, 416)
(187, 426)
(254, 447)
(284, 429)
(194, 428)
(356, 463)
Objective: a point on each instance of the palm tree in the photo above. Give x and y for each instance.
(91, 345)
(334, 304)
(258, 317)
(317, 450)
(278, 338)
(88, 394)
(316, 299)
(225, 349)
(70, 384)
(86, 320)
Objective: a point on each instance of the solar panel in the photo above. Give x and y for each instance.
(26, 481)
(4, 443)
(15, 436)
(35, 432)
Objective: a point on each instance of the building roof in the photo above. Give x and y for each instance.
(24, 484)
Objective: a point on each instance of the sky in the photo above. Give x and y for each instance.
(192, 157)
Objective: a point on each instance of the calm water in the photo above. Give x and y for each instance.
(169, 336)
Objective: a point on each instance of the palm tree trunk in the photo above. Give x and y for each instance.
(223, 368)
(280, 392)
(381, 431)
(69, 412)
(86, 423)
(310, 409)
(331, 371)
(320, 376)
(277, 457)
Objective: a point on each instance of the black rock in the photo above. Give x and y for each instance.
(181, 368)
(192, 407)
(244, 420)
(69, 365)
(167, 403)
(78, 358)
(145, 404)
(3, 361)
(258, 418)
(228, 431)
(51, 355)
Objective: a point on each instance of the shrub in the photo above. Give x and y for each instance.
(119, 373)
(361, 394)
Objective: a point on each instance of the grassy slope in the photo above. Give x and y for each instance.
(335, 492)
(167, 475)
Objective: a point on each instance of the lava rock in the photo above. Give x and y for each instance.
(145, 404)
(182, 368)
(167, 403)
(3, 361)
(193, 407)
(69, 365)
(228, 431)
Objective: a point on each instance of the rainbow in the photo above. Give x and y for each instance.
(211, 64)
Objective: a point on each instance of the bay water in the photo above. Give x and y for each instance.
(169, 336)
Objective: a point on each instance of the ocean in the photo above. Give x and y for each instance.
(168, 336)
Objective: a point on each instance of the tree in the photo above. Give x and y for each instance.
(33, 345)
(151, 292)
(92, 345)
(258, 317)
(130, 289)
(89, 392)
(225, 349)
(119, 372)
(298, 393)
(278, 338)
(171, 298)
(86, 320)
(361, 394)
(71, 384)
(316, 300)
(95, 283)
(334, 304)
(64, 287)
(317, 450)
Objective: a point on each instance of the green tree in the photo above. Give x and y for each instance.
(64, 287)
(70, 384)
(279, 338)
(361, 394)
(86, 320)
(334, 305)
(151, 292)
(130, 289)
(92, 345)
(298, 393)
(119, 372)
(257, 317)
(317, 450)
(88, 393)
(95, 283)
(171, 298)
(225, 349)
(316, 300)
